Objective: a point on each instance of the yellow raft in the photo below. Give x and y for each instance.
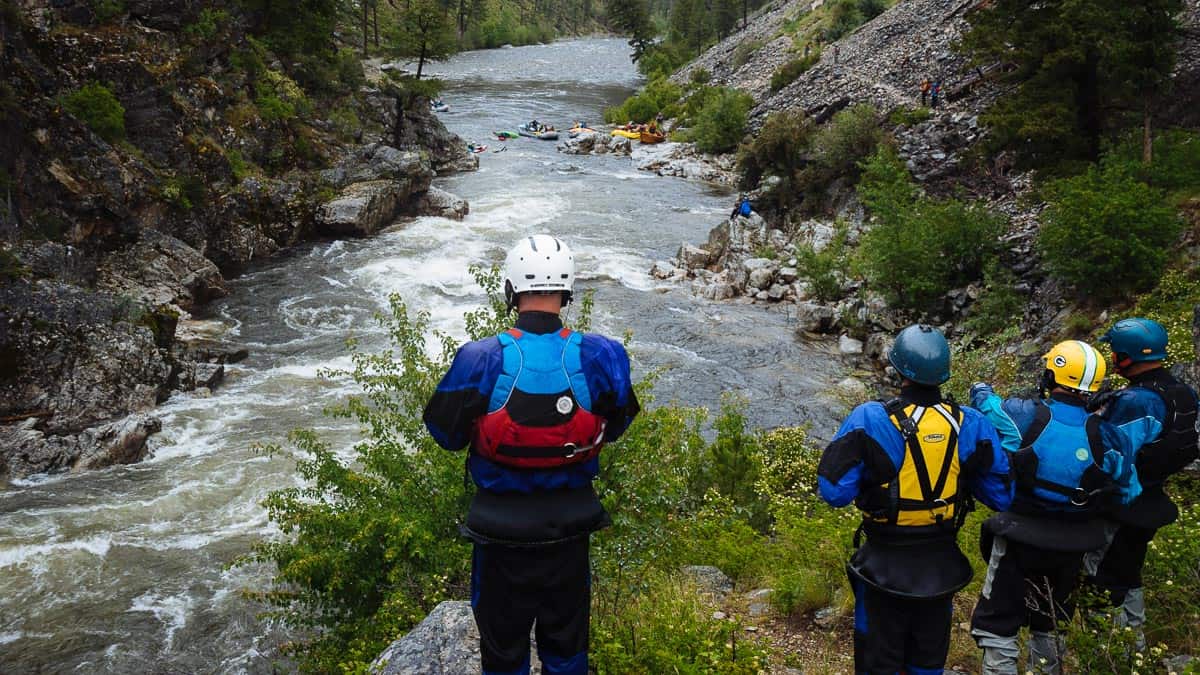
(635, 135)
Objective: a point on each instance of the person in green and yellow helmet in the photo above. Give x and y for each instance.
(1068, 466)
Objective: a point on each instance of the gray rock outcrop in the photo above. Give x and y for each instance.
(438, 202)
(446, 642)
(362, 209)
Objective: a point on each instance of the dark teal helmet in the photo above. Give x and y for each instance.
(922, 355)
(1136, 340)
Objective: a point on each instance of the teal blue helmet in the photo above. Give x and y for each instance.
(1136, 340)
(921, 354)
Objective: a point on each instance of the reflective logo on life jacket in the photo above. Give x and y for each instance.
(539, 415)
(925, 490)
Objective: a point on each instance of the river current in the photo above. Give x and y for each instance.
(127, 569)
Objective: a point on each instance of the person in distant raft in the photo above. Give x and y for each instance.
(911, 465)
(1068, 465)
(1139, 347)
(535, 404)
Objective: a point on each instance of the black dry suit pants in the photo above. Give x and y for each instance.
(514, 588)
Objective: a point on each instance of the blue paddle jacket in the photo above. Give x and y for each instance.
(463, 394)
(868, 436)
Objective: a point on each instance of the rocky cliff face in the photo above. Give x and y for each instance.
(882, 64)
(108, 242)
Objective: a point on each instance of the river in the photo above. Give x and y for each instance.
(127, 569)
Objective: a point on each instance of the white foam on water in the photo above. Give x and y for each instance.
(171, 610)
(20, 555)
(664, 348)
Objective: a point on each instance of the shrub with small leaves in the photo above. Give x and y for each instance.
(1106, 234)
(96, 106)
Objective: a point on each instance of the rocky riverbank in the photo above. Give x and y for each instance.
(680, 160)
(110, 242)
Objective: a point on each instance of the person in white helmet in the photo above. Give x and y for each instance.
(535, 405)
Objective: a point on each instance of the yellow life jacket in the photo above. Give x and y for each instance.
(925, 491)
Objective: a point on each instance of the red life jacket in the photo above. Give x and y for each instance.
(539, 415)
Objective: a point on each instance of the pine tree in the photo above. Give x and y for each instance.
(426, 33)
(1081, 69)
(632, 18)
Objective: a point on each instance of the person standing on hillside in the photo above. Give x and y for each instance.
(925, 87)
(1068, 465)
(535, 404)
(1139, 347)
(911, 465)
(935, 93)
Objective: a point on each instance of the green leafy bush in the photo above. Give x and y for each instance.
(349, 71)
(659, 96)
(909, 117)
(999, 306)
(1172, 304)
(663, 59)
(744, 52)
(823, 269)
(208, 25)
(96, 106)
(846, 15)
(1107, 234)
(107, 10)
(11, 266)
(700, 76)
(238, 165)
(279, 98)
(788, 72)
(721, 123)
(835, 152)
(777, 150)
(1175, 165)
(919, 248)
(668, 628)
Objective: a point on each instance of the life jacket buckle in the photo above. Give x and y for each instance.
(1080, 497)
(574, 450)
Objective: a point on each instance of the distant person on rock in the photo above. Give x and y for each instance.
(743, 208)
(1068, 466)
(925, 87)
(911, 465)
(1139, 347)
(535, 404)
(935, 93)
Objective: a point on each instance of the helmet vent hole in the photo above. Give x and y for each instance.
(564, 276)
(530, 276)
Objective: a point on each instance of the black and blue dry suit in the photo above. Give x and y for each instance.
(535, 406)
(1068, 465)
(911, 465)
(1170, 406)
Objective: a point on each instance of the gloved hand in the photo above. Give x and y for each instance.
(978, 391)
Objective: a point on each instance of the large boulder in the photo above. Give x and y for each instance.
(812, 317)
(379, 162)
(445, 643)
(693, 257)
(362, 209)
(28, 450)
(161, 270)
(438, 202)
(583, 143)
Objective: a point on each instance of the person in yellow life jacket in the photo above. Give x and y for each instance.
(1068, 466)
(912, 466)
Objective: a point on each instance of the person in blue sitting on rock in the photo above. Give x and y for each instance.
(912, 466)
(1069, 465)
(535, 405)
(1139, 349)
(743, 208)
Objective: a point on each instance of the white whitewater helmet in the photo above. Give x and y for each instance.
(539, 263)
